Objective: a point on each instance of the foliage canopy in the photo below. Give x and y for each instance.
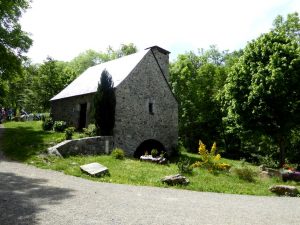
(196, 80)
(13, 41)
(262, 91)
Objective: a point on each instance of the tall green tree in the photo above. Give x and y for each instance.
(53, 76)
(90, 57)
(196, 81)
(85, 60)
(262, 93)
(13, 41)
(126, 49)
(22, 92)
(104, 105)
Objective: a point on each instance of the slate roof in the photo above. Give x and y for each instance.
(87, 82)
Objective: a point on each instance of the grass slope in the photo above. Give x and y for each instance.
(24, 141)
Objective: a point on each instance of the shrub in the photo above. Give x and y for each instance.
(118, 153)
(69, 133)
(210, 160)
(268, 161)
(184, 166)
(59, 126)
(43, 117)
(224, 166)
(47, 124)
(90, 131)
(245, 173)
(176, 151)
(105, 105)
(163, 154)
(154, 153)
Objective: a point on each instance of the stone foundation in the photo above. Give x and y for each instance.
(85, 146)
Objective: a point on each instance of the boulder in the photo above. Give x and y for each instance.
(271, 172)
(94, 169)
(175, 180)
(264, 175)
(285, 190)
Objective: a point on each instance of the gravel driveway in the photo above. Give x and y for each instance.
(29, 195)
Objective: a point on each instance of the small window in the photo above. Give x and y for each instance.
(151, 108)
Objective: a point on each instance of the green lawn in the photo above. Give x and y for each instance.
(25, 141)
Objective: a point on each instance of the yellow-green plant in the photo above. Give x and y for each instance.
(118, 153)
(210, 159)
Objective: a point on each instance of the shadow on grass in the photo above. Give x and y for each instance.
(22, 142)
(21, 198)
(192, 158)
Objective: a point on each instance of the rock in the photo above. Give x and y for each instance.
(290, 175)
(284, 190)
(150, 158)
(262, 168)
(94, 169)
(264, 175)
(271, 172)
(175, 179)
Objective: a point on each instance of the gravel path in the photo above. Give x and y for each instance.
(29, 195)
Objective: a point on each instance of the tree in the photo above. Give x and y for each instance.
(196, 81)
(85, 60)
(22, 93)
(262, 93)
(126, 50)
(90, 57)
(13, 41)
(104, 105)
(53, 76)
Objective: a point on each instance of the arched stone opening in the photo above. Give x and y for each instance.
(147, 146)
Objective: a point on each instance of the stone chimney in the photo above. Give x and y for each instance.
(162, 57)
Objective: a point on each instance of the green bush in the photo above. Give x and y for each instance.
(90, 131)
(118, 153)
(48, 124)
(180, 148)
(245, 173)
(293, 148)
(185, 166)
(59, 126)
(154, 153)
(69, 133)
(268, 161)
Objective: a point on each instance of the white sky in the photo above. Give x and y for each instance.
(64, 28)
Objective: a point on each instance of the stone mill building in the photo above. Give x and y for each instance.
(146, 114)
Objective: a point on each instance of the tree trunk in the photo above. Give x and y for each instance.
(223, 131)
(281, 143)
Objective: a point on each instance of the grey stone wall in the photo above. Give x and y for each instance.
(163, 61)
(84, 146)
(68, 109)
(134, 123)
